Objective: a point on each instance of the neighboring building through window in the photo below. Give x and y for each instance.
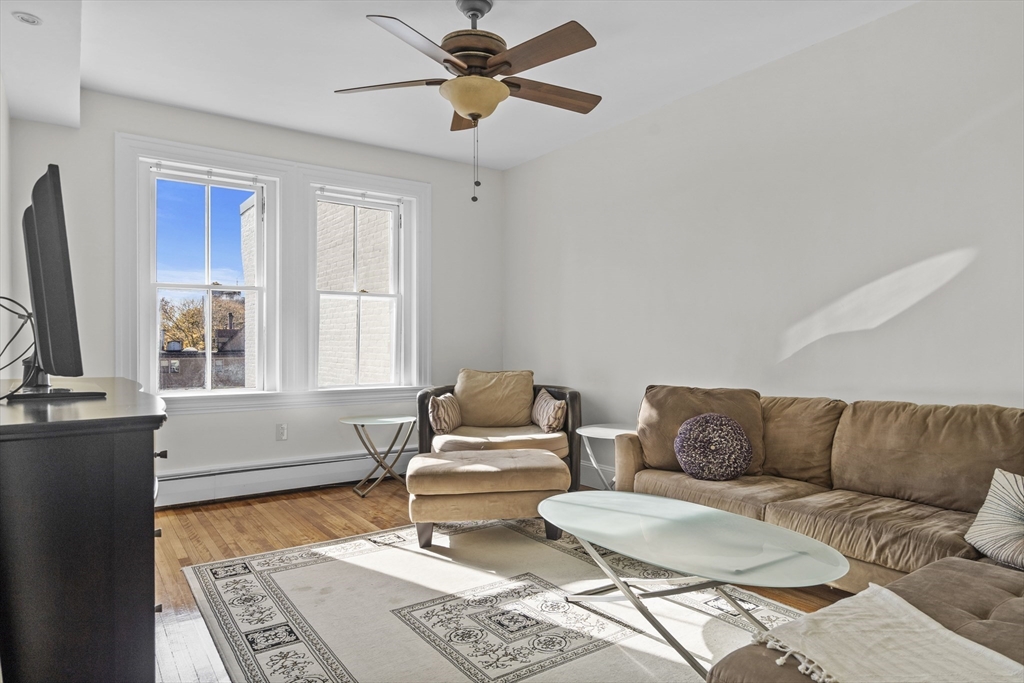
(209, 286)
(358, 292)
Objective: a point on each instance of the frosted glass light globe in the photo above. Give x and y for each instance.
(474, 97)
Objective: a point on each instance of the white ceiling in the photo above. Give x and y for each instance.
(278, 62)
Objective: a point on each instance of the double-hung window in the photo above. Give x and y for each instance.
(358, 291)
(208, 291)
(245, 282)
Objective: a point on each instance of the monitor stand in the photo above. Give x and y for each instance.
(37, 387)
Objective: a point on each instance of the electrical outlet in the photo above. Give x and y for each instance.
(282, 432)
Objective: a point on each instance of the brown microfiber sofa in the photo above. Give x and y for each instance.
(893, 486)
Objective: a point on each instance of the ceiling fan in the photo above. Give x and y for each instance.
(483, 66)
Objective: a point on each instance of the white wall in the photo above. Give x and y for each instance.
(678, 248)
(466, 287)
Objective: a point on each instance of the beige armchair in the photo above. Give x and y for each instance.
(565, 444)
(498, 465)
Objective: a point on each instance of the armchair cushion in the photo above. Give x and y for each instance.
(500, 438)
(495, 399)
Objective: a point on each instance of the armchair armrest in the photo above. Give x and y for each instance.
(573, 421)
(423, 414)
(629, 459)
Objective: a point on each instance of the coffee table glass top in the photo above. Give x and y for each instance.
(695, 539)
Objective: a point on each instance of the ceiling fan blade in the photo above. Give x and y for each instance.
(419, 41)
(459, 123)
(563, 41)
(554, 95)
(388, 86)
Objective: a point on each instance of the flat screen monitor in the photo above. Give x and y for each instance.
(57, 348)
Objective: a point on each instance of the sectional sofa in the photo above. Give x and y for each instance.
(893, 486)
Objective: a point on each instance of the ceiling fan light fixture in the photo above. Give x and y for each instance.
(474, 97)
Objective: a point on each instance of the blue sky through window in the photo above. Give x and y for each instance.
(181, 233)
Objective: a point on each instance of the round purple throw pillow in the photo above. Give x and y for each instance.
(713, 447)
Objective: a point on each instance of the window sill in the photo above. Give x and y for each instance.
(239, 401)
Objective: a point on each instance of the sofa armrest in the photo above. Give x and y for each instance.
(629, 459)
(423, 414)
(573, 421)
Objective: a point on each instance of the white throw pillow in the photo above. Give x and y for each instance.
(998, 530)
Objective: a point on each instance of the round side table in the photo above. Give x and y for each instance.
(381, 459)
(602, 431)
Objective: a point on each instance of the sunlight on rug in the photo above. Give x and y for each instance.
(484, 604)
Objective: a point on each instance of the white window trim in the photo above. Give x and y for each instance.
(290, 379)
(267, 375)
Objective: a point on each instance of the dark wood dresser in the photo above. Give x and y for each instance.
(76, 536)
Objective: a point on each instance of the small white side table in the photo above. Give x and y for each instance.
(602, 431)
(359, 424)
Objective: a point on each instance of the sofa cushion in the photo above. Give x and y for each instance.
(460, 472)
(798, 435)
(931, 454)
(746, 496)
(495, 399)
(492, 438)
(894, 533)
(664, 409)
(981, 602)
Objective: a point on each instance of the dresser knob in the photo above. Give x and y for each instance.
(161, 454)
(157, 533)
(158, 608)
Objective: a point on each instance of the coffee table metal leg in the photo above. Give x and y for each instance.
(593, 461)
(640, 607)
(747, 615)
(381, 460)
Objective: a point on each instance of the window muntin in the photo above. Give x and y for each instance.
(358, 292)
(209, 282)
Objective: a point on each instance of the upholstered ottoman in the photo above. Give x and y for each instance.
(461, 486)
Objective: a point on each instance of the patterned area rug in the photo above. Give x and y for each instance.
(484, 604)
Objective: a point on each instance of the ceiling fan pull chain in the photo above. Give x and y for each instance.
(476, 157)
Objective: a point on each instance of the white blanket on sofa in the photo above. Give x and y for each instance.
(878, 636)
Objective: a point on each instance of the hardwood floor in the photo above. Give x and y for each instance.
(222, 530)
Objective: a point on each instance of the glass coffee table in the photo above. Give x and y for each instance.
(705, 542)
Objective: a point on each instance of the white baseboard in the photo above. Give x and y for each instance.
(589, 476)
(191, 486)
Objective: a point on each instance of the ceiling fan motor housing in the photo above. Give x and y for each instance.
(473, 47)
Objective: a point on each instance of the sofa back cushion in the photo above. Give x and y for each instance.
(798, 435)
(495, 399)
(937, 455)
(664, 409)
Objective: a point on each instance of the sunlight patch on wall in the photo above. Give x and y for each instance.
(867, 307)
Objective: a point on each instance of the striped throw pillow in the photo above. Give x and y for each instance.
(548, 414)
(445, 416)
(998, 530)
